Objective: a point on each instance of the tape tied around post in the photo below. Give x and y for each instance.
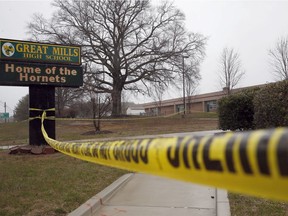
(42, 110)
(40, 116)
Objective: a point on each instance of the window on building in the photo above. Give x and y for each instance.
(179, 108)
(211, 106)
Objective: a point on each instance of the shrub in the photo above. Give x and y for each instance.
(236, 111)
(271, 106)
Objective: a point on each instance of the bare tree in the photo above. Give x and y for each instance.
(279, 58)
(100, 102)
(189, 80)
(231, 71)
(126, 42)
(192, 81)
(100, 107)
(64, 97)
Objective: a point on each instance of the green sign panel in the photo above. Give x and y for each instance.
(39, 52)
(22, 74)
(4, 115)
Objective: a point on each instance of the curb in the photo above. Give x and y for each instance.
(90, 206)
(222, 203)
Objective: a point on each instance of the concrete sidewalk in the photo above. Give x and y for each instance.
(141, 195)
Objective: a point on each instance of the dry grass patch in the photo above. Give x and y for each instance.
(17, 133)
(71, 130)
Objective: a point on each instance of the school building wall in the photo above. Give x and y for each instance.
(197, 103)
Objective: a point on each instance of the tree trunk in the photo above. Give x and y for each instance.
(189, 106)
(116, 102)
(96, 122)
(59, 106)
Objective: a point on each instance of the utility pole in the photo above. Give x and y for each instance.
(5, 107)
(184, 102)
(183, 71)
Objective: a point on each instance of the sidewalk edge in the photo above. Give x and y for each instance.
(90, 206)
(222, 203)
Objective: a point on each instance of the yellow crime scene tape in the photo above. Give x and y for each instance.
(41, 111)
(254, 163)
(101, 119)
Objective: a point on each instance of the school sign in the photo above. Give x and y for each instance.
(29, 63)
(39, 52)
(42, 67)
(23, 74)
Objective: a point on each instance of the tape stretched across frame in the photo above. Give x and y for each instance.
(118, 119)
(254, 163)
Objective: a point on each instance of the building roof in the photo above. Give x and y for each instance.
(196, 98)
(136, 107)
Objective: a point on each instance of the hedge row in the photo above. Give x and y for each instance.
(264, 107)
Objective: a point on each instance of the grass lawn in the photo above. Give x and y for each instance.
(242, 205)
(16, 133)
(49, 184)
(57, 184)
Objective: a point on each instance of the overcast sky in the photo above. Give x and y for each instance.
(250, 27)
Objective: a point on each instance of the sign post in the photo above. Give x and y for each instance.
(41, 98)
(42, 67)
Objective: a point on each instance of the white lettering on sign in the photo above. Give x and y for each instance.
(42, 75)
